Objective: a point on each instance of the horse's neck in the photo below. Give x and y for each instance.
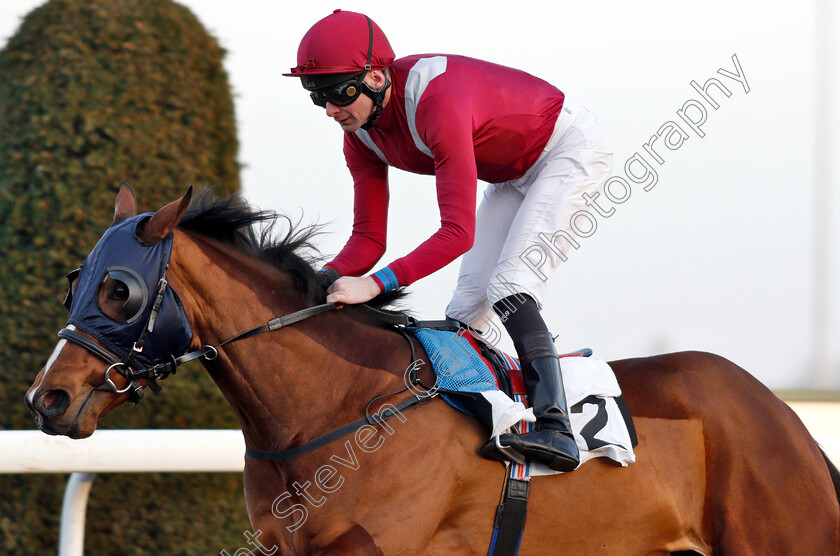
(285, 386)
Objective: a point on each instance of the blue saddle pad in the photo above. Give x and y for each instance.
(456, 364)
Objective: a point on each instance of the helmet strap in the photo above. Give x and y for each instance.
(378, 97)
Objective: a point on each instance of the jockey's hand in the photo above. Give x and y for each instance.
(352, 290)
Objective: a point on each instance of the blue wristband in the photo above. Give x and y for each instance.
(388, 279)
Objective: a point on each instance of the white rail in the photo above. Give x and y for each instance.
(115, 451)
(123, 451)
(202, 451)
(71, 538)
(823, 422)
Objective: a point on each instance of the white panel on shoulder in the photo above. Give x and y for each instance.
(418, 79)
(364, 136)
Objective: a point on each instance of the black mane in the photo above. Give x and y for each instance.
(232, 222)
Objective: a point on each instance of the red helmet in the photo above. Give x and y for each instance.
(342, 42)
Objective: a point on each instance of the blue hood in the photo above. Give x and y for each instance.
(120, 247)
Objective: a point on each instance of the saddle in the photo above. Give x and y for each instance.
(477, 378)
(505, 369)
(499, 378)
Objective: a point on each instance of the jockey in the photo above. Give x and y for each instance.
(462, 119)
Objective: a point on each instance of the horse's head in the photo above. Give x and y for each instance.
(124, 317)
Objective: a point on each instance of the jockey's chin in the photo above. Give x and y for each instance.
(349, 124)
(353, 116)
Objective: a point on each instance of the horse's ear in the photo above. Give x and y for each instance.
(164, 220)
(126, 203)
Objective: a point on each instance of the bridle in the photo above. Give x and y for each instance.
(162, 369)
(137, 366)
(159, 370)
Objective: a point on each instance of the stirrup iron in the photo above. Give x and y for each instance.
(509, 452)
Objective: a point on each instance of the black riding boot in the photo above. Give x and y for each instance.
(552, 443)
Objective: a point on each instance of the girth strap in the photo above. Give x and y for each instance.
(312, 445)
(510, 517)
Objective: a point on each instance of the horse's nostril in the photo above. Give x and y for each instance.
(50, 397)
(53, 403)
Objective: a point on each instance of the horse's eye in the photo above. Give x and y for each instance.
(119, 291)
(122, 294)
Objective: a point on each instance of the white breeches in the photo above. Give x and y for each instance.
(524, 227)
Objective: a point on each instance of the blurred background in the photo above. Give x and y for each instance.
(735, 250)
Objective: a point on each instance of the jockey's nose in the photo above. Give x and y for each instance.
(332, 110)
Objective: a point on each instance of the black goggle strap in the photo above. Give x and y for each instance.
(370, 43)
(378, 97)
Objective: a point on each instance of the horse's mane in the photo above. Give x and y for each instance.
(234, 223)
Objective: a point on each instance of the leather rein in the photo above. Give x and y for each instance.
(162, 369)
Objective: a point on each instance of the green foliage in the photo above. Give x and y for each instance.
(92, 92)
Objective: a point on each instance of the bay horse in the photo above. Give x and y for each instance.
(723, 466)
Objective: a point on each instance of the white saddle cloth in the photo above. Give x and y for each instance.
(597, 422)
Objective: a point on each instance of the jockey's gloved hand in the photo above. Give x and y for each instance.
(326, 277)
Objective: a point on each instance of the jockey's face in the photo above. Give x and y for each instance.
(355, 115)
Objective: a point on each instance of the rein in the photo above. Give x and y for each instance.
(163, 369)
(380, 417)
(386, 412)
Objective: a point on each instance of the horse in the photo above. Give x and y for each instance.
(722, 465)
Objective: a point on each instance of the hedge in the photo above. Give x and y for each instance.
(92, 92)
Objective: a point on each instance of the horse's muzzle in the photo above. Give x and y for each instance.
(47, 406)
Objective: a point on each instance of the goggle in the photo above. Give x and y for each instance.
(343, 93)
(125, 287)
